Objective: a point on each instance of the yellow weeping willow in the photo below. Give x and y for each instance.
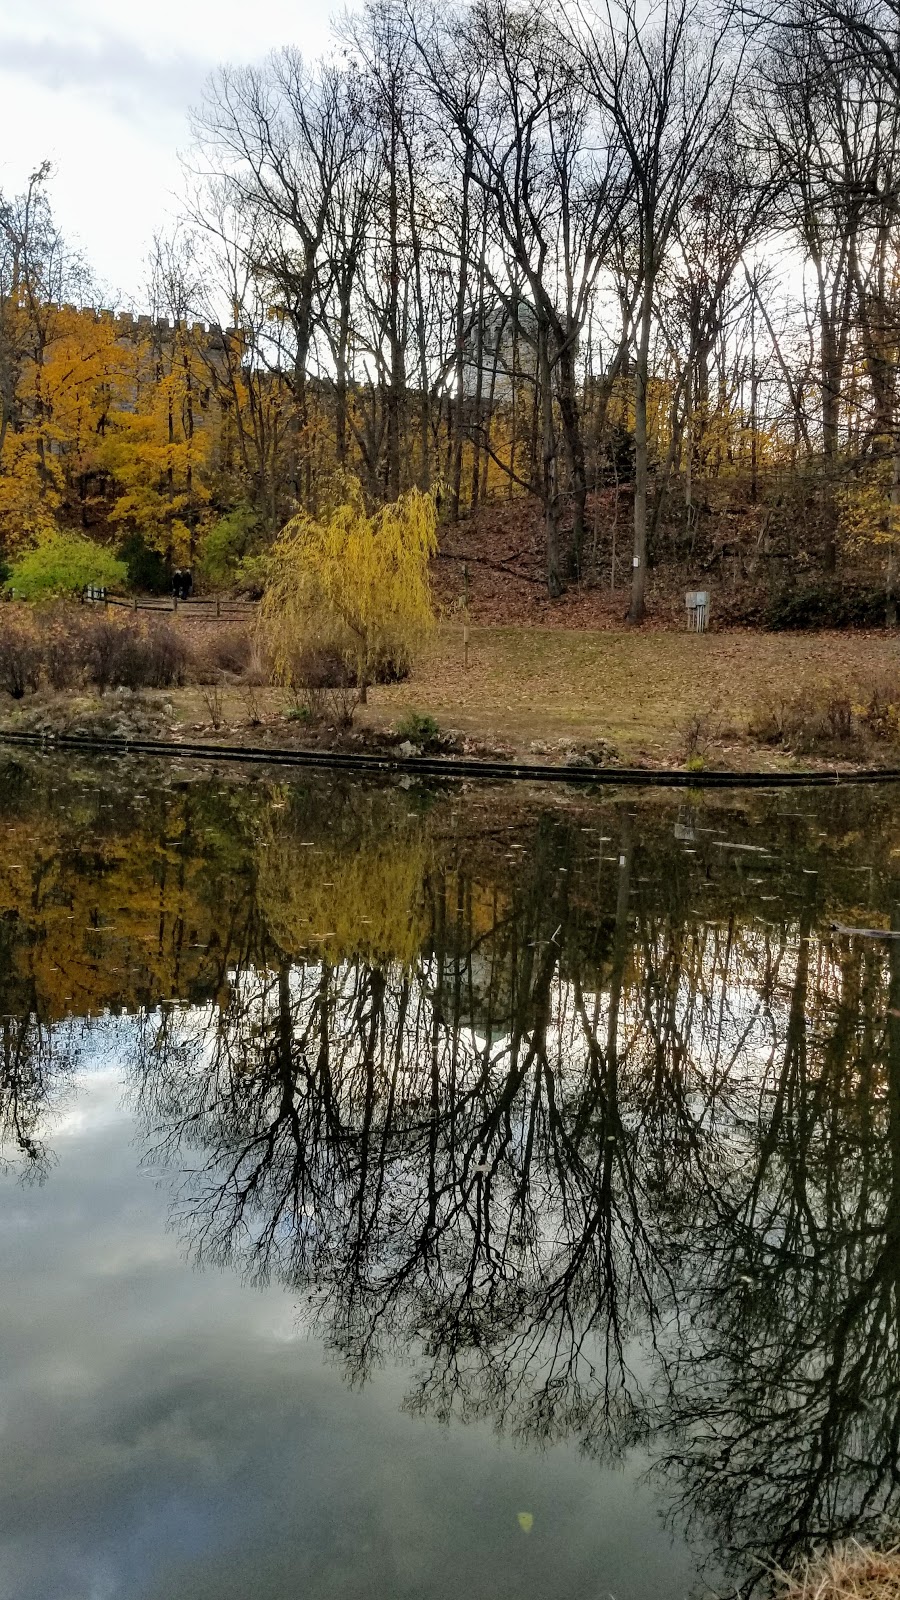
(356, 583)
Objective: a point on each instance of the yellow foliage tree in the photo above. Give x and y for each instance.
(354, 582)
(28, 501)
(51, 451)
(870, 519)
(157, 451)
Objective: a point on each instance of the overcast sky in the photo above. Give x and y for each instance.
(101, 88)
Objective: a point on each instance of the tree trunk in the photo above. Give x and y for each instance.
(460, 375)
(641, 377)
(830, 404)
(397, 376)
(555, 584)
(891, 584)
(571, 422)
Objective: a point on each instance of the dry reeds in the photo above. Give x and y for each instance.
(829, 719)
(66, 648)
(850, 1571)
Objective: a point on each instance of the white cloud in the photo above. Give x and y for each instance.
(103, 91)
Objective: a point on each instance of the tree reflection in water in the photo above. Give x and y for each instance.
(604, 1138)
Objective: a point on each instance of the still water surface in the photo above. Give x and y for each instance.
(410, 1194)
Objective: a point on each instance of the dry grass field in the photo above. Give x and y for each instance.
(637, 689)
(661, 697)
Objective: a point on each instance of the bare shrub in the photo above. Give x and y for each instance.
(226, 649)
(108, 651)
(213, 699)
(252, 707)
(306, 704)
(258, 671)
(698, 731)
(828, 719)
(849, 1572)
(323, 666)
(771, 719)
(321, 682)
(64, 641)
(162, 656)
(123, 654)
(877, 705)
(20, 656)
(343, 701)
(823, 723)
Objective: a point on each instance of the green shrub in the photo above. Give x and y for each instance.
(828, 604)
(418, 728)
(225, 548)
(250, 577)
(147, 571)
(65, 565)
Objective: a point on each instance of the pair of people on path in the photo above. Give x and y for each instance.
(182, 583)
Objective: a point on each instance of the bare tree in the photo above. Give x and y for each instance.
(279, 138)
(664, 82)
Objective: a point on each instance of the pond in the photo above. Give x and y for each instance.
(420, 1192)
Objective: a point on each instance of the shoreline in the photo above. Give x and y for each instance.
(450, 767)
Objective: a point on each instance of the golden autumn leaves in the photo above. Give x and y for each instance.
(352, 581)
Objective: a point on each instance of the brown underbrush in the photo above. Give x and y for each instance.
(849, 1572)
(68, 648)
(853, 721)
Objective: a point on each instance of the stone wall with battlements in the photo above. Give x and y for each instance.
(142, 327)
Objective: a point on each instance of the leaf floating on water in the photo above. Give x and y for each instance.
(525, 1521)
(731, 844)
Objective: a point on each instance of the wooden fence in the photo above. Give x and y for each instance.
(214, 607)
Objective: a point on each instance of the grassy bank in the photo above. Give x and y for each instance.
(642, 691)
(729, 699)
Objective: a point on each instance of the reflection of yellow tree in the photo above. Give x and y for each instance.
(161, 904)
(129, 924)
(364, 900)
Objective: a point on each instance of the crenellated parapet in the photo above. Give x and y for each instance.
(131, 327)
